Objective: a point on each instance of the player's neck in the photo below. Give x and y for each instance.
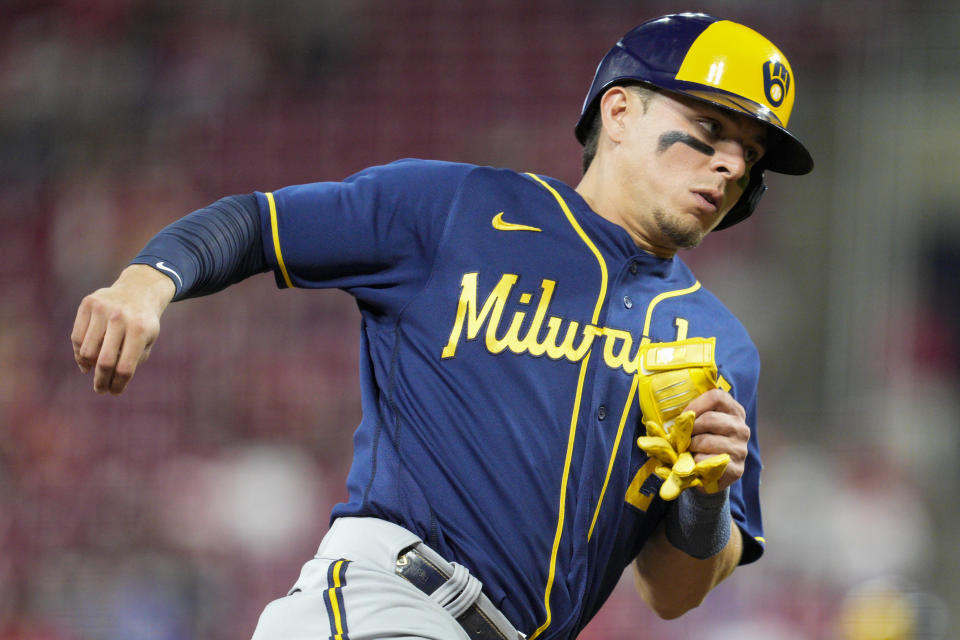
(605, 199)
(593, 188)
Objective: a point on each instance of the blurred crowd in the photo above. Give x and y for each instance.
(179, 509)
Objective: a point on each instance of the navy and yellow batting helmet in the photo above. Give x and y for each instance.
(717, 61)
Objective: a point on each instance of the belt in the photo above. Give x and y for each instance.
(453, 587)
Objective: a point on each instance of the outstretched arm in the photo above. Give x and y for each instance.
(698, 544)
(204, 252)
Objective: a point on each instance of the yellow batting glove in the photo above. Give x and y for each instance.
(711, 470)
(670, 375)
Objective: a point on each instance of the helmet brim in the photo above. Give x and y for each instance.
(784, 153)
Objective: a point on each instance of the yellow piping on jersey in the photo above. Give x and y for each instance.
(613, 454)
(275, 230)
(721, 381)
(657, 300)
(626, 409)
(576, 405)
(587, 241)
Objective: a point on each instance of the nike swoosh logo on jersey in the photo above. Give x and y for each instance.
(500, 225)
(163, 267)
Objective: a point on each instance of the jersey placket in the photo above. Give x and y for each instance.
(614, 392)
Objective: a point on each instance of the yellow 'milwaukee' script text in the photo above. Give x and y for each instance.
(576, 340)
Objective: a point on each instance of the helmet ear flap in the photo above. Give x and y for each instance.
(748, 199)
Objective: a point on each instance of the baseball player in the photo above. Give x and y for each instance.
(549, 394)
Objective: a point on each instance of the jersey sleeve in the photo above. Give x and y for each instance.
(742, 368)
(375, 234)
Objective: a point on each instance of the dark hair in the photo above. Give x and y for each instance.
(643, 91)
(590, 142)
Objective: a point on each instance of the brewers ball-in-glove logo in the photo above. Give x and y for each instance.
(776, 81)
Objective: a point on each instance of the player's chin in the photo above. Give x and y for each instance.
(685, 230)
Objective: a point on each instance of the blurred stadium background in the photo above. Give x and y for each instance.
(179, 509)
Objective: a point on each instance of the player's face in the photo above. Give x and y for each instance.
(682, 165)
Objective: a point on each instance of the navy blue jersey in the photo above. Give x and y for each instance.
(501, 322)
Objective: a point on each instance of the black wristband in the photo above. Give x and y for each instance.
(699, 523)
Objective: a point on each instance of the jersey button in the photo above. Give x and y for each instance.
(627, 302)
(634, 268)
(601, 412)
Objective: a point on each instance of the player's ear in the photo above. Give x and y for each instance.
(613, 110)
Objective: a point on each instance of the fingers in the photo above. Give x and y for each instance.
(87, 336)
(111, 339)
(116, 327)
(706, 445)
(730, 472)
(134, 350)
(80, 324)
(717, 400)
(720, 425)
(715, 433)
(109, 354)
(720, 428)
